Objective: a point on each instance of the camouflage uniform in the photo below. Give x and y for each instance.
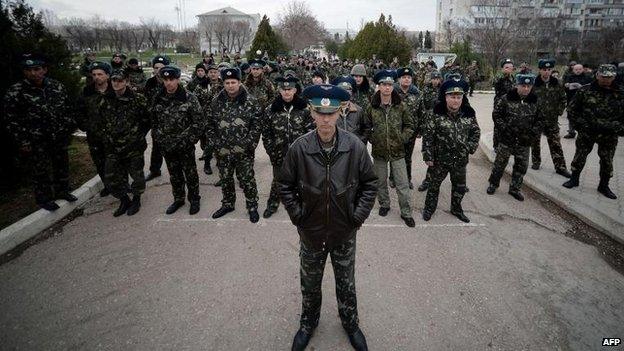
(90, 121)
(410, 100)
(152, 87)
(42, 118)
(262, 90)
(551, 102)
(234, 128)
(390, 127)
(519, 123)
(502, 85)
(362, 94)
(283, 124)
(126, 121)
(448, 140)
(136, 78)
(424, 106)
(472, 72)
(177, 122)
(352, 120)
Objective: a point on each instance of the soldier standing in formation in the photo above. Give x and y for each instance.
(125, 120)
(328, 187)
(286, 119)
(153, 87)
(574, 80)
(516, 114)
(234, 127)
(596, 113)
(451, 134)
(136, 76)
(503, 83)
(390, 126)
(427, 100)
(40, 117)
(177, 122)
(472, 72)
(363, 91)
(351, 115)
(409, 95)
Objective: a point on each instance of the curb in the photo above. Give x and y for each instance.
(561, 196)
(36, 222)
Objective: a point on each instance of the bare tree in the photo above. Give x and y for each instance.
(155, 32)
(299, 27)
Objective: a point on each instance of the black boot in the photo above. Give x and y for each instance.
(49, 206)
(68, 197)
(269, 212)
(563, 172)
(301, 340)
(574, 180)
(424, 186)
(426, 214)
(254, 217)
(459, 213)
(123, 206)
(491, 189)
(174, 206)
(152, 175)
(604, 189)
(194, 208)
(383, 211)
(207, 168)
(222, 212)
(105, 192)
(535, 166)
(409, 221)
(358, 341)
(516, 194)
(135, 205)
(571, 135)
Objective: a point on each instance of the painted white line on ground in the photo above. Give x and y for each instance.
(264, 222)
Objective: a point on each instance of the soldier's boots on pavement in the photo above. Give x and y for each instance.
(358, 341)
(152, 175)
(459, 213)
(49, 206)
(535, 166)
(301, 340)
(409, 221)
(411, 185)
(424, 186)
(222, 212)
(383, 211)
(571, 135)
(270, 210)
(174, 206)
(135, 205)
(254, 217)
(491, 189)
(564, 172)
(124, 203)
(194, 207)
(516, 194)
(604, 189)
(207, 168)
(574, 180)
(426, 214)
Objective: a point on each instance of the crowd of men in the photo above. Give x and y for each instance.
(316, 139)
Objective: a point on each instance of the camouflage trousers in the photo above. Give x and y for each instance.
(274, 199)
(458, 185)
(311, 275)
(243, 165)
(551, 131)
(50, 170)
(183, 171)
(521, 164)
(98, 155)
(207, 148)
(606, 151)
(400, 179)
(119, 167)
(156, 158)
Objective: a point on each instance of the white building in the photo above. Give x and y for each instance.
(226, 29)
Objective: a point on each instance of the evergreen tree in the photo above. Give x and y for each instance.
(428, 42)
(381, 38)
(420, 40)
(266, 39)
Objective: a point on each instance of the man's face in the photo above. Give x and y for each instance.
(545, 73)
(316, 80)
(524, 89)
(231, 86)
(99, 76)
(604, 81)
(454, 101)
(133, 65)
(118, 84)
(577, 69)
(405, 81)
(91, 57)
(200, 73)
(358, 79)
(171, 84)
(256, 72)
(435, 82)
(213, 74)
(35, 74)
(508, 68)
(157, 68)
(287, 93)
(117, 59)
(325, 123)
(386, 89)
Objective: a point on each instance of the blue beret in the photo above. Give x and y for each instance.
(345, 82)
(230, 73)
(525, 79)
(325, 98)
(546, 63)
(104, 66)
(506, 61)
(257, 63)
(170, 72)
(385, 76)
(453, 86)
(160, 59)
(287, 82)
(405, 71)
(32, 60)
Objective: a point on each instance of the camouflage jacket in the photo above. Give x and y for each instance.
(136, 78)
(388, 127)
(262, 90)
(197, 82)
(352, 120)
(517, 119)
(502, 85)
(551, 99)
(89, 118)
(362, 94)
(126, 120)
(598, 111)
(39, 115)
(424, 106)
(284, 123)
(234, 125)
(152, 87)
(473, 73)
(410, 99)
(177, 120)
(449, 140)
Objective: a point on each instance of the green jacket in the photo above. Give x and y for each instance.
(517, 119)
(551, 100)
(126, 121)
(598, 111)
(89, 118)
(388, 127)
(262, 90)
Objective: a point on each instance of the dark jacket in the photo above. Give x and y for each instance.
(327, 197)
(517, 119)
(598, 111)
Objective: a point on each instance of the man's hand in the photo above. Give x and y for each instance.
(429, 163)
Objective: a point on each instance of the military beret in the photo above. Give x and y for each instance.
(325, 98)
(506, 61)
(170, 72)
(525, 79)
(435, 74)
(200, 65)
(133, 61)
(160, 59)
(256, 63)
(405, 71)
(104, 66)
(287, 82)
(385, 76)
(119, 73)
(453, 86)
(244, 66)
(546, 63)
(224, 65)
(32, 60)
(607, 70)
(230, 73)
(345, 82)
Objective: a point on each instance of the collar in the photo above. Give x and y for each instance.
(313, 145)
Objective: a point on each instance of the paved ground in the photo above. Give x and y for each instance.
(514, 279)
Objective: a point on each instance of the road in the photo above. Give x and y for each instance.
(515, 278)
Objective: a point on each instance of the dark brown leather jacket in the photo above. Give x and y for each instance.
(327, 197)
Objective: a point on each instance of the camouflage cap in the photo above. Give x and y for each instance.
(171, 72)
(224, 65)
(104, 66)
(358, 70)
(607, 70)
(211, 67)
(546, 63)
(525, 79)
(325, 98)
(32, 60)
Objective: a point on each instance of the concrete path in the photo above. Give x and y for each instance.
(513, 279)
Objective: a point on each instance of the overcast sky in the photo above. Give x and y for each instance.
(410, 14)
